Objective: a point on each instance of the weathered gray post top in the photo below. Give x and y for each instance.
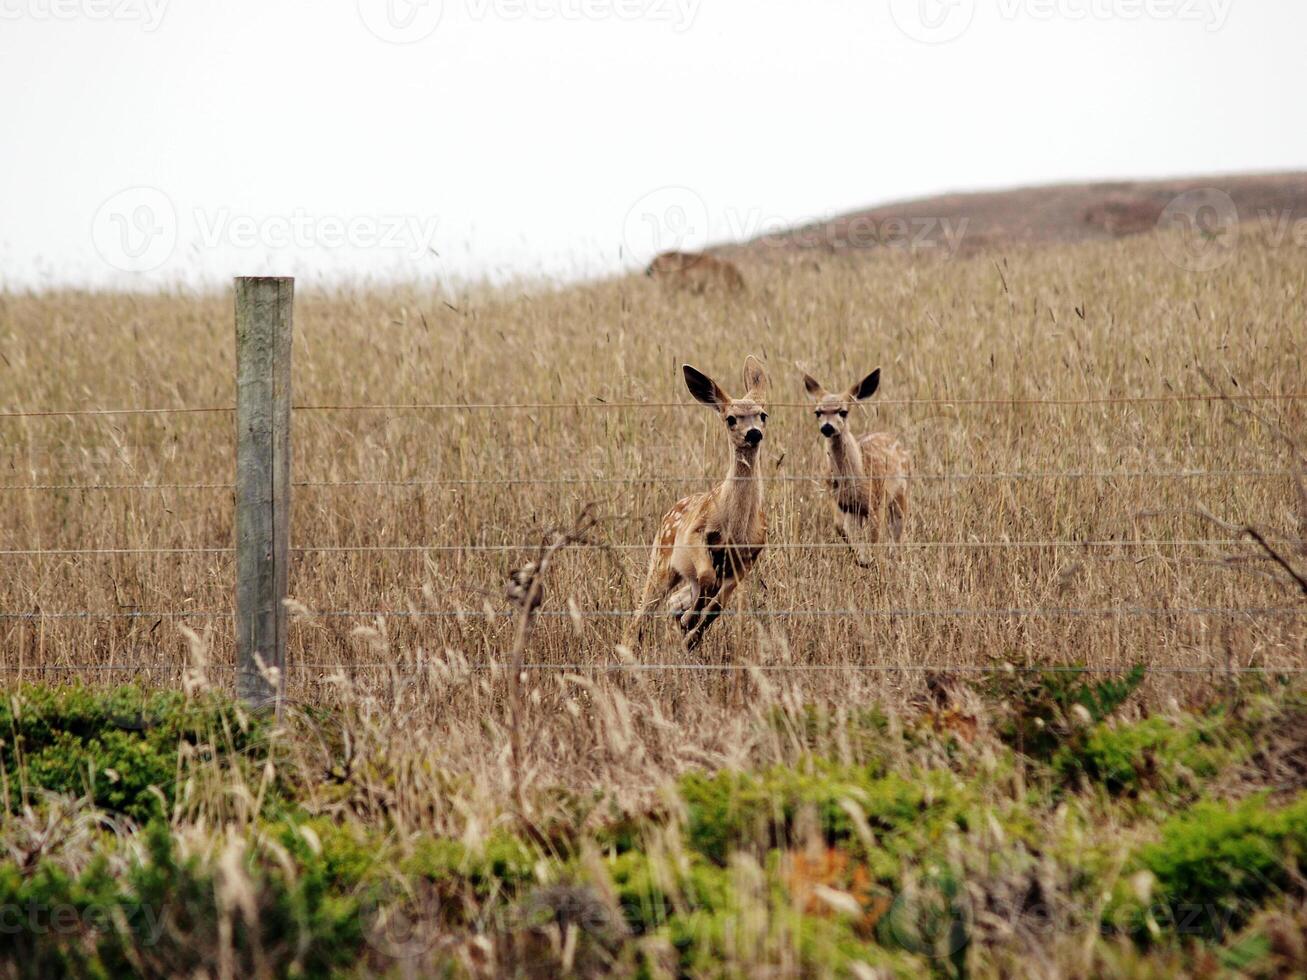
(263, 344)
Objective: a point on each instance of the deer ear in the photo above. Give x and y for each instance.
(866, 387)
(755, 378)
(704, 388)
(812, 386)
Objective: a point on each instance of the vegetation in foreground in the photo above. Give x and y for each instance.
(1039, 823)
(778, 809)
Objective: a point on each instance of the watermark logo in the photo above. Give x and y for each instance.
(300, 229)
(933, 21)
(678, 219)
(148, 13)
(941, 21)
(932, 916)
(1200, 229)
(1282, 228)
(679, 13)
(669, 219)
(401, 918)
(1212, 14)
(136, 229)
(407, 21)
(401, 21)
(35, 918)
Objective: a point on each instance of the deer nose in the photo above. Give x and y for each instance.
(753, 437)
(827, 429)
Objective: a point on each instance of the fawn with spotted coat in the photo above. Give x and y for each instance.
(708, 542)
(868, 477)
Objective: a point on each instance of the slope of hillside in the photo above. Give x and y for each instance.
(967, 223)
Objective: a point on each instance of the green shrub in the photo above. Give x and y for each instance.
(1037, 705)
(118, 748)
(164, 915)
(1155, 754)
(649, 897)
(693, 904)
(1216, 864)
(746, 810)
(502, 863)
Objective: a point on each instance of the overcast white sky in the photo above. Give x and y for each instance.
(149, 141)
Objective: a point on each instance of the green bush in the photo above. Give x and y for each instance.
(1036, 706)
(1156, 754)
(462, 879)
(1215, 864)
(119, 748)
(650, 899)
(164, 915)
(732, 810)
(694, 905)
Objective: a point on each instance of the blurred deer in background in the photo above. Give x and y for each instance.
(696, 272)
(708, 542)
(868, 476)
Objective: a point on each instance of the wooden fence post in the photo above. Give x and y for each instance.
(263, 343)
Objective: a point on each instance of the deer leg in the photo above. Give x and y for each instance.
(712, 609)
(700, 576)
(898, 515)
(841, 524)
(852, 528)
(656, 586)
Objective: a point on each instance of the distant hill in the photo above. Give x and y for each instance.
(1026, 216)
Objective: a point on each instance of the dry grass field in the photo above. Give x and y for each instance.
(1062, 500)
(1061, 472)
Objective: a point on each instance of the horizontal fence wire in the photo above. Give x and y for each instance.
(1034, 612)
(645, 546)
(412, 670)
(626, 405)
(699, 478)
(1031, 612)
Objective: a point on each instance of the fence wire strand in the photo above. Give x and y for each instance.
(574, 614)
(999, 545)
(627, 405)
(412, 670)
(680, 478)
(492, 616)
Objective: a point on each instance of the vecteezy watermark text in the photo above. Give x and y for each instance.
(409, 21)
(149, 13)
(679, 14)
(678, 219)
(137, 230)
(940, 21)
(1202, 228)
(66, 919)
(300, 229)
(1211, 14)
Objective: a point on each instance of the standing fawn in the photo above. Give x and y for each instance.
(868, 476)
(708, 542)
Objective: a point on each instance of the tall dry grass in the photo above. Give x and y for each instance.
(1087, 322)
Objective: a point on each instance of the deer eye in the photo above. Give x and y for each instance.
(764, 418)
(844, 413)
(731, 420)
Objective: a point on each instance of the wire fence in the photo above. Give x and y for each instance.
(629, 404)
(511, 548)
(1140, 612)
(865, 612)
(695, 479)
(578, 668)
